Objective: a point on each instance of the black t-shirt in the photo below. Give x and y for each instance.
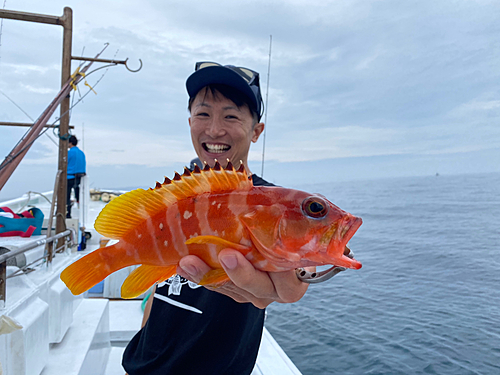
(192, 331)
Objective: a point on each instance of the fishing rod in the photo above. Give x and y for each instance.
(265, 115)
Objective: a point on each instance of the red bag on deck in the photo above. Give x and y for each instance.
(25, 224)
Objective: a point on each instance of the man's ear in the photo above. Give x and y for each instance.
(257, 131)
(189, 120)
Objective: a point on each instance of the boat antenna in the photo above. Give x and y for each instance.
(1, 28)
(265, 114)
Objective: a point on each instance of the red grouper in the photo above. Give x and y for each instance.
(204, 211)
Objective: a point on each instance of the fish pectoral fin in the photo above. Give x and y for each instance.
(218, 241)
(144, 277)
(215, 278)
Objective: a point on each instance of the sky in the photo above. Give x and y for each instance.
(357, 89)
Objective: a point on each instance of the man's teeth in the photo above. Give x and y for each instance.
(216, 149)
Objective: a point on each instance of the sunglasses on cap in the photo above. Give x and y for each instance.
(248, 75)
(251, 77)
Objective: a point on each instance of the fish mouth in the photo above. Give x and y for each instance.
(337, 248)
(351, 227)
(215, 148)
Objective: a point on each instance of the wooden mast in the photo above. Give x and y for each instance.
(66, 21)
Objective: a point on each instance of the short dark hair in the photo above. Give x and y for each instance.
(73, 140)
(228, 92)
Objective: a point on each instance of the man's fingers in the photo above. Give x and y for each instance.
(247, 283)
(243, 274)
(288, 287)
(192, 268)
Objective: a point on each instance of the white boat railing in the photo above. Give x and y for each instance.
(68, 237)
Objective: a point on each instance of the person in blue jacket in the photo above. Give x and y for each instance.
(76, 170)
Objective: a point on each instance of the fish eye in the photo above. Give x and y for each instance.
(315, 207)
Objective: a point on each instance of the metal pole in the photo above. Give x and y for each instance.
(28, 125)
(35, 243)
(30, 17)
(3, 279)
(67, 19)
(49, 246)
(267, 95)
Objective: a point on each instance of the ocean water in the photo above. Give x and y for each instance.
(427, 300)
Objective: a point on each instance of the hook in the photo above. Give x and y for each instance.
(133, 71)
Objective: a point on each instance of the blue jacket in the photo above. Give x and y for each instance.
(76, 162)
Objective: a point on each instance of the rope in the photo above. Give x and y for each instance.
(29, 198)
(23, 111)
(58, 135)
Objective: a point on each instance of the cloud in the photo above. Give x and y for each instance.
(39, 90)
(352, 79)
(140, 147)
(366, 62)
(475, 106)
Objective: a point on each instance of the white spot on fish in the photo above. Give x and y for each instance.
(161, 226)
(246, 242)
(312, 245)
(213, 203)
(139, 236)
(165, 243)
(187, 215)
(218, 206)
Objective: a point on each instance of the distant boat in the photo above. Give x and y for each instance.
(437, 174)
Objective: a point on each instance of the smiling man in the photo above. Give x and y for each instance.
(220, 129)
(188, 329)
(223, 120)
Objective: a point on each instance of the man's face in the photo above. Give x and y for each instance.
(220, 130)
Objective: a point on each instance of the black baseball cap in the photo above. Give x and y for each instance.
(242, 79)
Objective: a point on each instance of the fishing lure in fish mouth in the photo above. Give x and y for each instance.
(321, 276)
(204, 211)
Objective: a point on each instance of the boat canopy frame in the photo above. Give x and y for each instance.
(66, 21)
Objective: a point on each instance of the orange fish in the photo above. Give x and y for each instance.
(203, 212)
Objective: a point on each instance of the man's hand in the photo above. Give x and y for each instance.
(247, 283)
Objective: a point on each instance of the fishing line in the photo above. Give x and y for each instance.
(78, 87)
(86, 75)
(88, 92)
(27, 115)
(64, 114)
(1, 30)
(19, 107)
(267, 96)
(5, 163)
(69, 111)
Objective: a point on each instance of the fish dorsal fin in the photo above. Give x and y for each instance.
(130, 209)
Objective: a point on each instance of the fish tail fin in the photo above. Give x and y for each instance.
(93, 268)
(143, 277)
